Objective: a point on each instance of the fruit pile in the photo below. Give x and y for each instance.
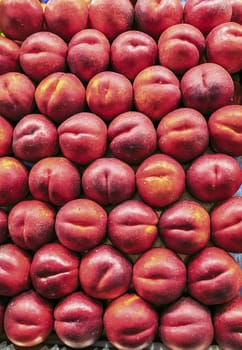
(120, 139)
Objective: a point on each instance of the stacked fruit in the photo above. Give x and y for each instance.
(120, 134)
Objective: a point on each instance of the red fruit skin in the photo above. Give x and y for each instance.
(16, 96)
(88, 53)
(214, 277)
(81, 224)
(6, 136)
(132, 227)
(223, 45)
(78, 320)
(3, 226)
(183, 134)
(226, 224)
(185, 227)
(20, 19)
(42, 54)
(105, 273)
(15, 268)
(213, 177)
(180, 47)
(9, 55)
(13, 181)
(197, 13)
(35, 137)
(207, 87)
(160, 180)
(104, 90)
(131, 52)
(60, 95)
(156, 92)
(236, 11)
(28, 319)
(227, 324)
(108, 181)
(225, 130)
(159, 276)
(132, 137)
(154, 17)
(130, 312)
(83, 137)
(111, 17)
(54, 271)
(55, 180)
(66, 18)
(186, 324)
(31, 224)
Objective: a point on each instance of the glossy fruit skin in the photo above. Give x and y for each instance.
(88, 53)
(196, 13)
(207, 87)
(156, 92)
(225, 224)
(132, 137)
(132, 226)
(213, 177)
(19, 20)
(131, 52)
(108, 181)
(111, 17)
(83, 137)
(170, 276)
(34, 138)
(130, 311)
(6, 130)
(9, 55)
(15, 270)
(78, 320)
(185, 227)
(180, 47)
(160, 180)
(66, 18)
(46, 180)
(23, 311)
(54, 271)
(186, 324)
(16, 96)
(13, 174)
(80, 224)
(229, 37)
(31, 224)
(104, 89)
(105, 273)
(214, 277)
(183, 134)
(54, 50)
(60, 95)
(226, 323)
(225, 128)
(154, 17)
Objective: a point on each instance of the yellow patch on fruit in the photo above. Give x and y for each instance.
(149, 229)
(2, 134)
(8, 163)
(131, 300)
(95, 83)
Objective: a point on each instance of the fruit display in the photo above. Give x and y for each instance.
(121, 174)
